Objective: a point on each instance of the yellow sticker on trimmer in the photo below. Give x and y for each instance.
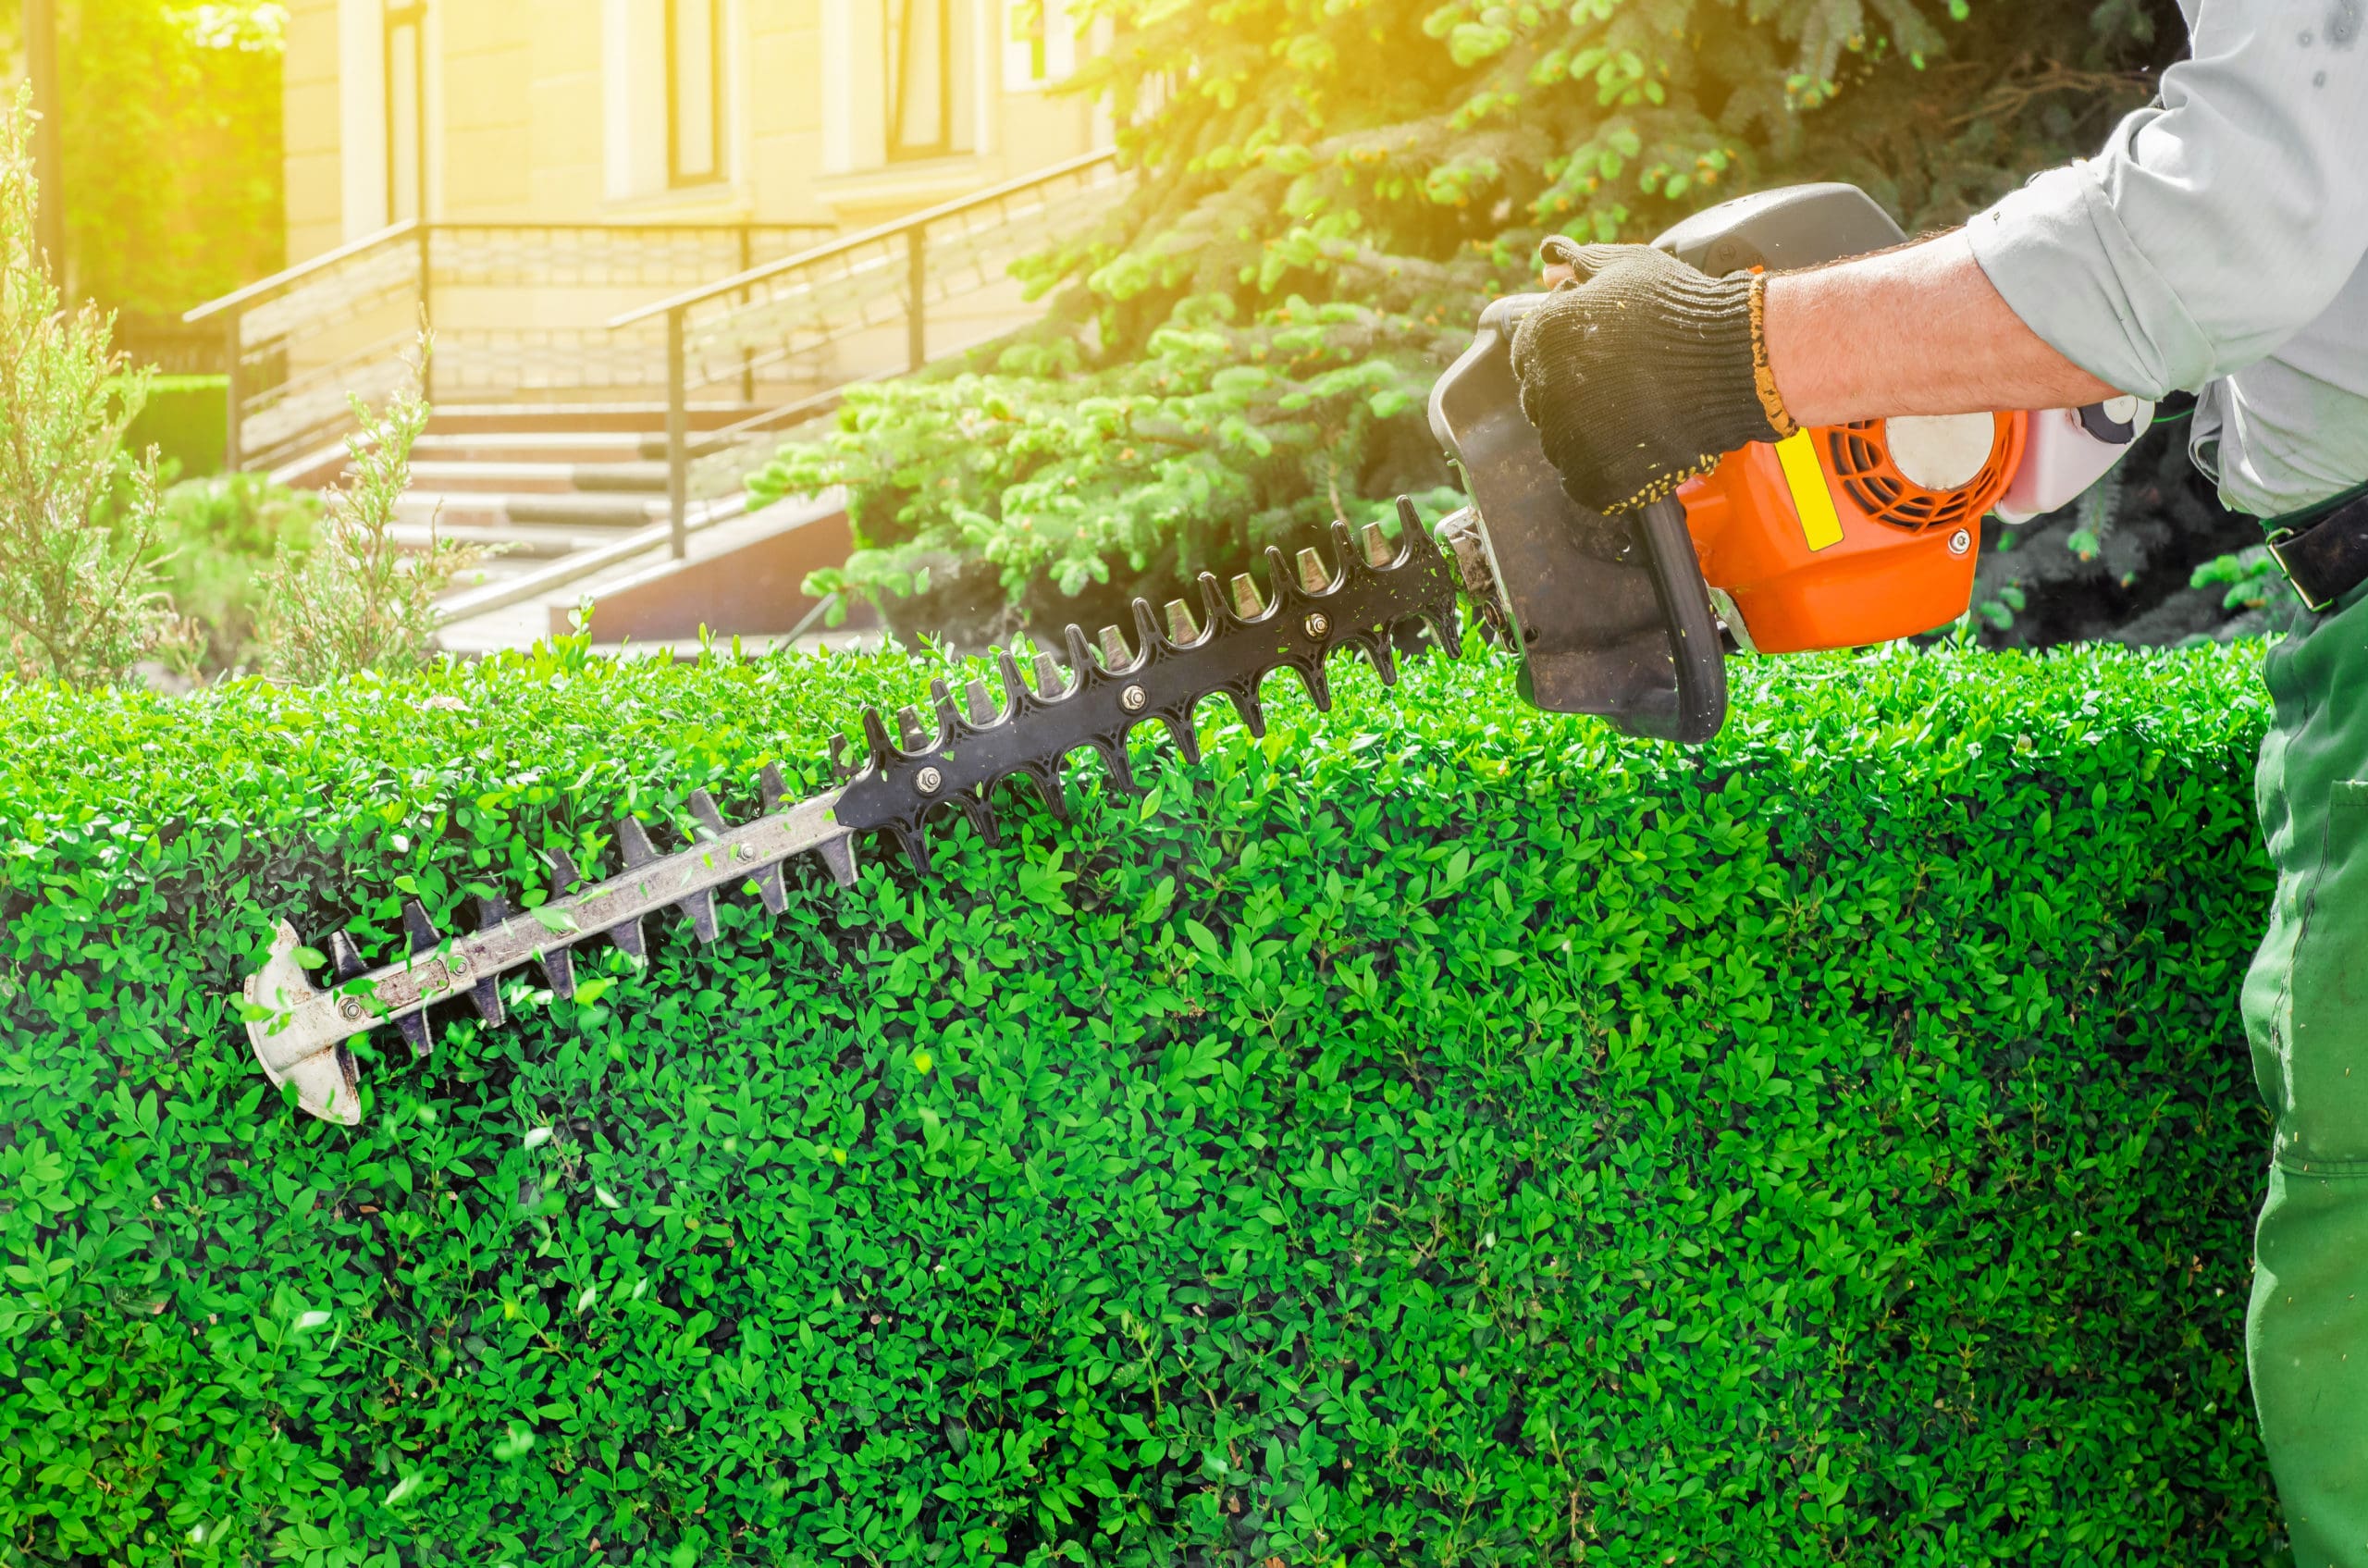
(1820, 525)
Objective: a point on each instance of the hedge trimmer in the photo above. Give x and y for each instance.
(1831, 538)
(1371, 603)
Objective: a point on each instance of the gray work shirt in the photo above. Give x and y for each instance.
(2219, 243)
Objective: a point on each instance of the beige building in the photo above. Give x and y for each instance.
(833, 113)
(653, 238)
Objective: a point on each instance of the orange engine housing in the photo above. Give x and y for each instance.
(1845, 550)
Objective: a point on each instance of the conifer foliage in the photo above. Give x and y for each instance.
(1328, 190)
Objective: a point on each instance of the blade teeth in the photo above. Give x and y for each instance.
(699, 909)
(838, 859)
(915, 844)
(1278, 576)
(1377, 550)
(1410, 528)
(1016, 694)
(1345, 548)
(841, 769)
(769, 787)
(345, 959)
(1118, 764)
(1213, 608)
(423, 937)
(909, 729)
(559, 973)
(1318, 684)
(1384, 664)
(1146, 627)
(417, 928)
(1081, 664)
(486, 994)
(771, 888)
(1187, 739)
(1046, 777)
(1115, 654)
(982, 703)
(559, 964)
(1246, 603)
(633, 843)
(949, 718)
(875, 735)
(630, 941)
(1314, 576)
(1050, 683)
(1253, 712)
(980, 816)
(1180, 629)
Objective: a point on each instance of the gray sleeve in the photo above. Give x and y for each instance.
(2218, 221)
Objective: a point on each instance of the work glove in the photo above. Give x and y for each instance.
(1640, 372)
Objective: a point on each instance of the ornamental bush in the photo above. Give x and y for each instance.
(1437, 1133)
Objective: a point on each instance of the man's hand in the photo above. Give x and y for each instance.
(1640, 372)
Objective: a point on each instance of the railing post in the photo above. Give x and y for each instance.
(427, 317)
(231, 455)
(678, 436)
(916, 325)
(747, 357)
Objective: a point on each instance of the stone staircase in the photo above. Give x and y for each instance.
(573, 498)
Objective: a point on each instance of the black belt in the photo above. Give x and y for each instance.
(2327, 557)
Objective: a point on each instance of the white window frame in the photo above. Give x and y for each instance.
(854, 110)
(638, 108)
(1055, 31)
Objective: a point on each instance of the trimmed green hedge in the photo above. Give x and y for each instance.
(1438, 1134)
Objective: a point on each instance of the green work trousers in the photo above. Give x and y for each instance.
(2306, 1013)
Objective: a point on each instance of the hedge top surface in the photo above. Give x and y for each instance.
(1436, 1134)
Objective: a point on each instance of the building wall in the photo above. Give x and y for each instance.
(310, 137)
(552, 111)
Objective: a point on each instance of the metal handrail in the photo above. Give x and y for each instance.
(905, 224)
(279, 282)
(912, 231)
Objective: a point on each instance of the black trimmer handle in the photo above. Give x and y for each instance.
(1609, 616)
(1696, 649)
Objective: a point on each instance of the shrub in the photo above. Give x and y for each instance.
(185, 418)
(78, 600)
(350, 597)
(1438, 1133)
(220, 535)
(1395, 163)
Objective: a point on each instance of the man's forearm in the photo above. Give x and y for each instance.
(1916, 330)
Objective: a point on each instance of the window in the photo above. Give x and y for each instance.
(693, 91)
(920, 56)
(1039, 44)
(404, 54)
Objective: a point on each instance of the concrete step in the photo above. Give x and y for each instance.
(450, 477)
(730, 577)
(541, 446)
(630, 418)
(466, 509)
(508, 542)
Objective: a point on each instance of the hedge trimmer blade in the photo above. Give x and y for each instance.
(300, 1031)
